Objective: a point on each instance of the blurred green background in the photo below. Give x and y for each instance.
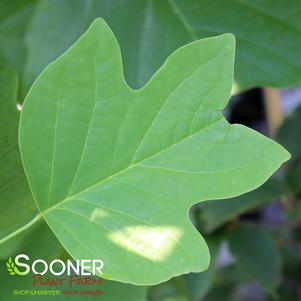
(254, 239)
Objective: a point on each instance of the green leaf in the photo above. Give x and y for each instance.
(257, 256)
(114, 171)
(216, 213)
(268, 39)
(16, 203)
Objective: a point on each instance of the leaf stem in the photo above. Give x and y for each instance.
(20, 230)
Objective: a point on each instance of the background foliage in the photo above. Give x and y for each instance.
(252, 250)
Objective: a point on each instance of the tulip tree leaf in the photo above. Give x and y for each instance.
(16, 203)
(114, 170)
(267, 32)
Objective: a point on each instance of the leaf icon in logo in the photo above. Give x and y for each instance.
(11, 268)
(10, 265)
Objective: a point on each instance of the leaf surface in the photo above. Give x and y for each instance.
(114, 170)
(16, 203)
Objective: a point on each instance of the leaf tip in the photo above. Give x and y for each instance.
(286, 155)
(283, 153)
(229, 40)
(98, 23)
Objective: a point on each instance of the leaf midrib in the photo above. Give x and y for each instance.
(128, 168)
